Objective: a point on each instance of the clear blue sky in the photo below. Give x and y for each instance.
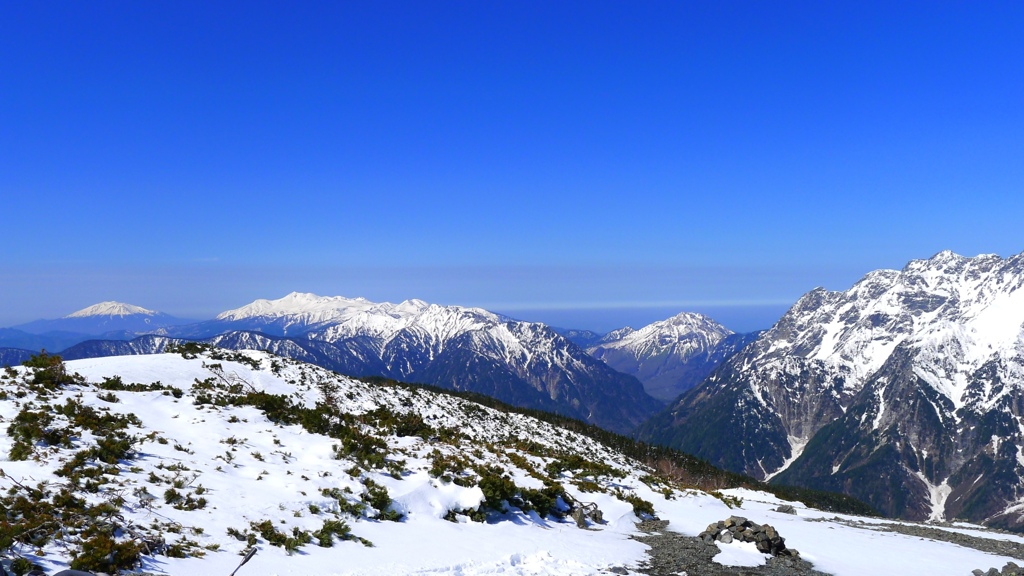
(591, 163)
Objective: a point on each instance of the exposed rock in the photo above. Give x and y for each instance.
(765, 537)
(1010, 569)
(587, 511)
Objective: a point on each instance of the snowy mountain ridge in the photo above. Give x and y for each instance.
(957, 312)
(433, 323)
(915, 376)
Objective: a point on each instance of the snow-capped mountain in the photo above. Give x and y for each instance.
(111, 308)
(669, 356)
(907, 391)
(296, 313)
(523, 363)
(104, 318)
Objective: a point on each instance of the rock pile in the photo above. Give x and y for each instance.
(1011, 569)
(767, 540)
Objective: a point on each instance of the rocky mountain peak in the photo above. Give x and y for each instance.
(914, 376)
(668, 356)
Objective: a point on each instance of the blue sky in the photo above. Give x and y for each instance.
(584, 163)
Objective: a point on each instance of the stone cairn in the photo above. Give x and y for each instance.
(1011, 569)
(740, 529)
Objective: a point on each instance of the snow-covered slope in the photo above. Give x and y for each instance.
(188, 461)
(523, 363)
(104, 318)
(669, 356)
(906, 391)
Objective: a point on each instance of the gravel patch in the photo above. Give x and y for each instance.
(674, 554)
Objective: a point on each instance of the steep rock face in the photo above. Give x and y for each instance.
(905, 391)
(524, 363)
(530, 365)
(669, 356)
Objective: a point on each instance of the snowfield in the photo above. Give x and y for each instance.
(249, 469)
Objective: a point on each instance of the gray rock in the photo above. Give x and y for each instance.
(726, 537)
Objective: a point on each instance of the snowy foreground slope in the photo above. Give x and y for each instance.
(218, 452)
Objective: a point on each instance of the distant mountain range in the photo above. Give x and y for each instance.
(905, 391)
(524, 363)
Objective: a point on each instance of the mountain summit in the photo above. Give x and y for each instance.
(669, 356)
(905, 391)
(112, 308)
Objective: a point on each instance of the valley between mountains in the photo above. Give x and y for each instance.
(904, 392)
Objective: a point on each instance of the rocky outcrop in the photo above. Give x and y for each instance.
(739, 529)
